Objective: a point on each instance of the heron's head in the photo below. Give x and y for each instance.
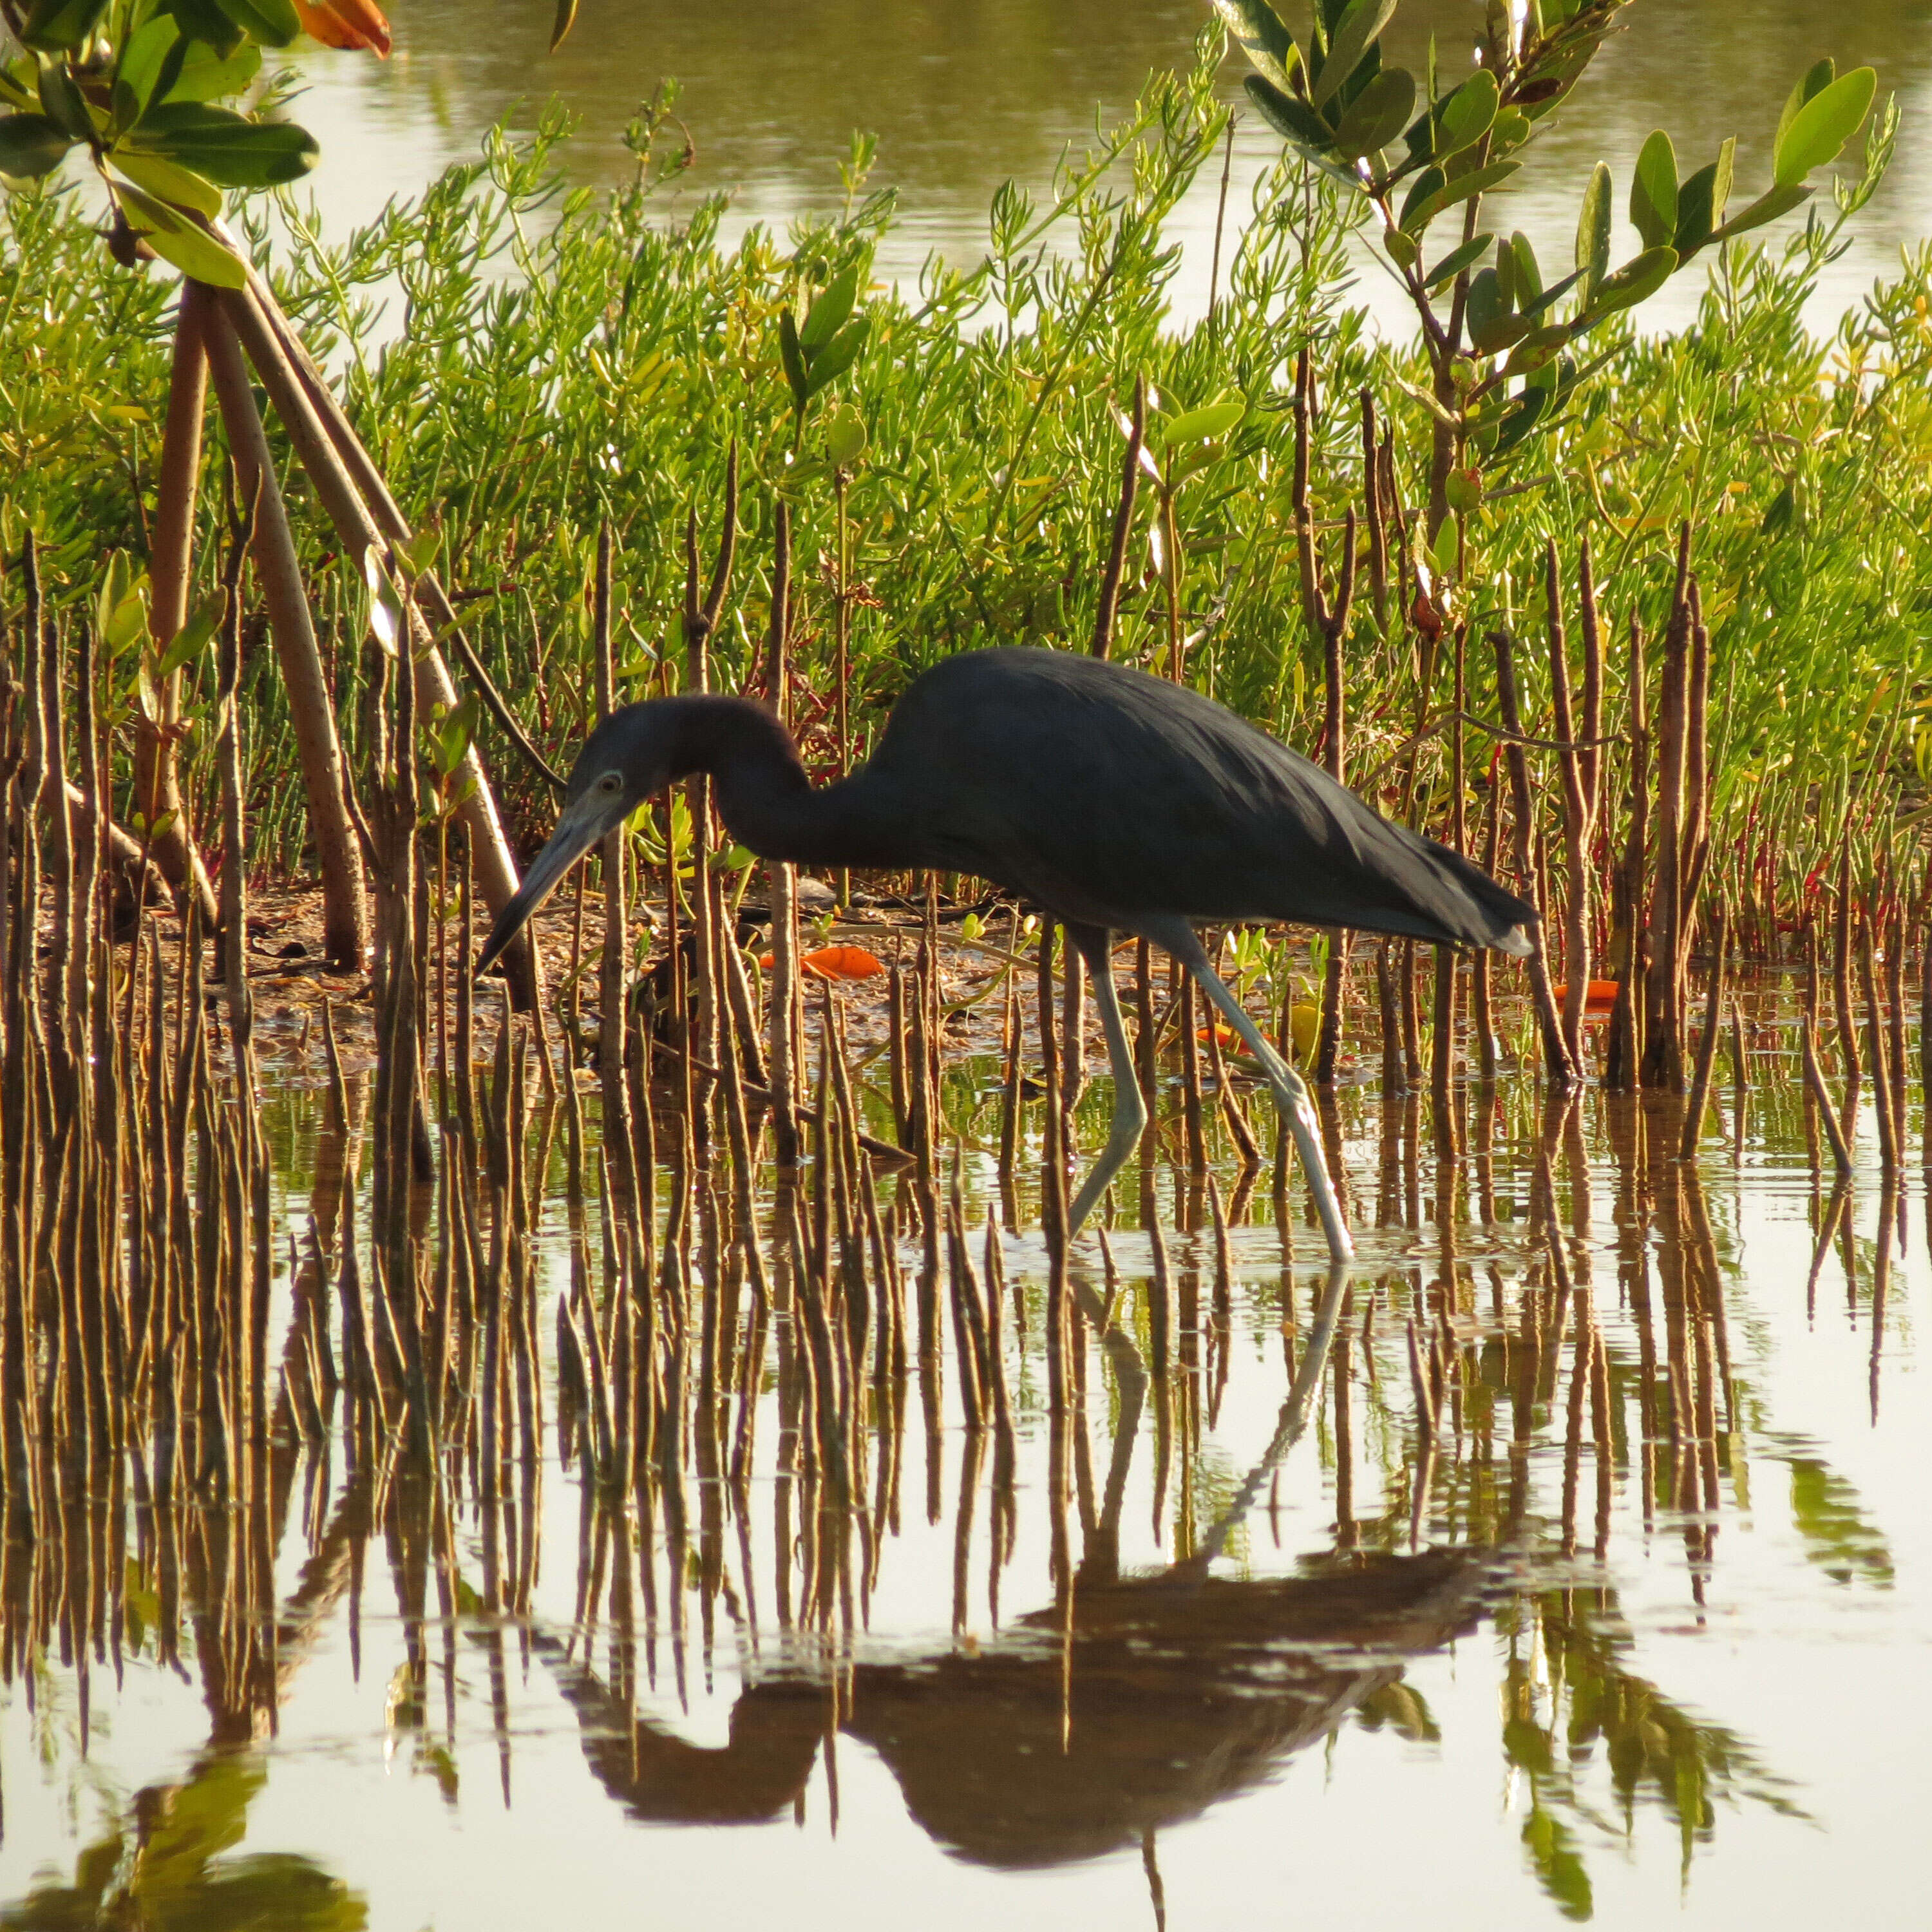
(631, 756)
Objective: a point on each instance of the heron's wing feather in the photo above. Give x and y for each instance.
(1110, 794)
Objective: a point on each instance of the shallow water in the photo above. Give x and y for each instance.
(964, 96)
(1648, 1641)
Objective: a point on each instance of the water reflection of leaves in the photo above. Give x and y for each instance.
(1826, 1512)
(161, 1867)
(1653, 1749)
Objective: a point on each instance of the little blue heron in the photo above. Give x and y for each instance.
(1119, 803)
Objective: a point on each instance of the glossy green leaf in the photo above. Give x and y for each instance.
(137, 74)
(1634, 282)
(792, 357)
(168, 181)
(1653, 194)
(1768, 207)
(57, 26)
(840, 353)
(274, 23)
(1378, 114)
(1464, 188)
(1811, 83)
(207, 75)
(845, 436)
(1287, 116)
(1425, 186)
(1452, 264)
(1821, 127)
(227, 147)
(1593, 227)
(189, 643)
(1491, 323)
(1527, 275)
(1254, 27)
(1353, 34)
(61, 100)
(1402, 251)
(827, 314)
(30, 146)
(1468, 114)
(177, 240)
(1511, 129)
(205, 21)
(1702, 200)
(1210, 420)
(1523, 416)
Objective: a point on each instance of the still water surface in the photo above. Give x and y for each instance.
(1638, 1632)
(963, 94)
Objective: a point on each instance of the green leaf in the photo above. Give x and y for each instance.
(61, 99)
(1819, 129)
(57, 26)
(1452, 264)
(204, 20)
(1254, 27)
(1511, 130)
(1201, 425)
(1529, 277)
(844, 435)
(1523, 416)
(1812, 82)
(30, 146)
(177, 240)
(561, 22)
(1768, 207)
(1287, 116)
(227, 147)
(1378, 114)
(1702, 200)
(793, 359)
(839, 354)
(168, 181)
(1653, 194)
(273, 23)
(1593, 228)
(1493, 326)
(137, 74)
(1635, 281)
(1356, 28)
(207, 75)
(191, 640)
(826, 316)
(1468, 114)
(1416, 217)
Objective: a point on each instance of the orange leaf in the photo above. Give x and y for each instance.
(833, 962)
(353, 24)
(842, 962)
(1598, 997)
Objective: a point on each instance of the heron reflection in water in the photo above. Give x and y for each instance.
(1083, 1729)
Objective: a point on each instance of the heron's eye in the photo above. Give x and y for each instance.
(609, 782)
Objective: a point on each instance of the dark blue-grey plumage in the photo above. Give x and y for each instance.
(1118, 802)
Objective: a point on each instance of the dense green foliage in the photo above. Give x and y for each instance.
(526, 360)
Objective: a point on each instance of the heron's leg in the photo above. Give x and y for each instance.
(1129, 1111)
(1291, 1094)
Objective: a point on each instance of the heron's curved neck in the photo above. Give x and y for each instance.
(767, 800)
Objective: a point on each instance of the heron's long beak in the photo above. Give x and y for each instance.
(581, 824)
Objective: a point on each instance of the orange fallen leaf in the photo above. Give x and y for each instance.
(353, 24)
(844, 962)
(833, 962)
(1598, 997)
